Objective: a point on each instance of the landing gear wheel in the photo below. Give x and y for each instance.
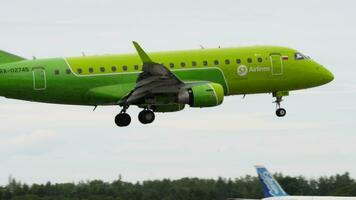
(146, 116)
(281, 112)
(122, 119)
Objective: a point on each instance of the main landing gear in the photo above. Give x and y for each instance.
(280, 112)
(146, 116)
(123, 119)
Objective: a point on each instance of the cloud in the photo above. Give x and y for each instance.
(333, 89)
(218, 122)
(33, 143)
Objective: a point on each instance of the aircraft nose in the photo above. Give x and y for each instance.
(327, 75)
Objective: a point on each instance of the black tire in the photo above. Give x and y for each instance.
(122, 119)
(146, 116)
(281, 112)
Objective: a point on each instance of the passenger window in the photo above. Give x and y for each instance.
(216, 62)
(68, 71)
(205, 63)
(79, 71)
(182, 64)
(194, 63)
(227, 61)
(91, 70)
(249, 60)
(113, 68)
(259, 60)
(238, 61)
(171, 65)
(56, 72)
(102, 69)
(136, 67)
(124, 68)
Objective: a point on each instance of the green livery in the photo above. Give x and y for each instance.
(162, 81)
(6, 57)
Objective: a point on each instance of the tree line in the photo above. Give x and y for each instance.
(182, 189)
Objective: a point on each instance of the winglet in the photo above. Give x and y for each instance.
(270, 186)
(144, 57)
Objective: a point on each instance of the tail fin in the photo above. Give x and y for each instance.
(270, 186)
(6, 57)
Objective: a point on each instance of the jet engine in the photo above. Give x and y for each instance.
(203, 95)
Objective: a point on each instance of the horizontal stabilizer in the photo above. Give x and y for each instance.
(6, 57)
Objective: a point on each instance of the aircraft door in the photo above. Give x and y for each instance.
(276, 64)
(39, 78)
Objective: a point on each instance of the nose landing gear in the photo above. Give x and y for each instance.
(280, 112)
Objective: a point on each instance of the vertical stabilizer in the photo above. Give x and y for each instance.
(6, 57)
(270, 186)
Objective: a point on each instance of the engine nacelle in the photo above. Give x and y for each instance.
(204, 95)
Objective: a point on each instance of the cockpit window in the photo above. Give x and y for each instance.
(300, 56)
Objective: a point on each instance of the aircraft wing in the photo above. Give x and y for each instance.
(155, 79)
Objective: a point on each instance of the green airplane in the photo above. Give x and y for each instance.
(162, 81)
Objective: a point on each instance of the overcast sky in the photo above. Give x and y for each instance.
(44, 142)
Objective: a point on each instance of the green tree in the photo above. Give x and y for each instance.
(181, 189)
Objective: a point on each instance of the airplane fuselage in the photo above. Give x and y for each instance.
(103, 80)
